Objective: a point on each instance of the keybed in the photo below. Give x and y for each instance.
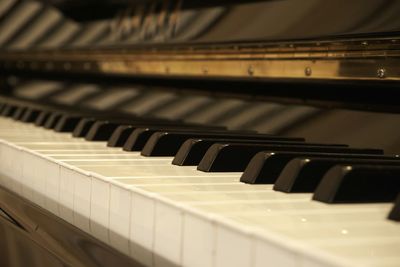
(157, 212)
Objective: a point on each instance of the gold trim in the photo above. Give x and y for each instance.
(296, 69)
(377, 60)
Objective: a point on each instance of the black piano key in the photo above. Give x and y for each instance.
(359, 184)
(80, 123)
(235, 157)
(3, 105)
(192, 150)
(83, 127)
(139, 137)
(18, 113)
(394, 214)
(42, 117)
(302, 175)
(30, 115)
(101, 130)
(86, 123)
(4, 110)
(67, 123)
(52, 120)
(266, 166)
(8, 110)
(167, 143)
(120, 135)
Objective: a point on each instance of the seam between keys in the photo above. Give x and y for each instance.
(153, 260)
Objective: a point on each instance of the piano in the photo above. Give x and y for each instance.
(199, 133)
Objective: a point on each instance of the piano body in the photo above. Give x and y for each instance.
(199, 133)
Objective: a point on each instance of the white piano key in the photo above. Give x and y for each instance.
(160, 181)
(233, 248)
(16, 178)
(271, 248)
(142, 228)
(11, 165)
(16, 173)
(82, 154)
(39, 181)
(120, 215)
(82, 145)
(117, 162)
(52, 186)
(167, 235)
(382, 262)
(271, 254)
(5, 159)
(21, 137)
(325, 233)
(157, 170)
(312, 262)
(228, 196)
(90, 155)
(66, 206)
(65, 155)
(198, 244)
(82, 197)
(28, 172)
(194, 188)
(100, 209)
(380, 248)
(3, 168)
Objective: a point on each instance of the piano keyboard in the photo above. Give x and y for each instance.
(167, 215)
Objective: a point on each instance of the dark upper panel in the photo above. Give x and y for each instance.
(180, 21)
(310, 19)
(101, 9)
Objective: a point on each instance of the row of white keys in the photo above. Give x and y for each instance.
(97, 185)
(199, 230)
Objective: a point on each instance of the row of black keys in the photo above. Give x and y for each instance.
(334, 173)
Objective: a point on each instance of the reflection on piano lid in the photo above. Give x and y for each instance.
(201, 133)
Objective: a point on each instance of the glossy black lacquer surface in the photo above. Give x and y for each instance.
(31, 236)
(395, 212)
(238, 21)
